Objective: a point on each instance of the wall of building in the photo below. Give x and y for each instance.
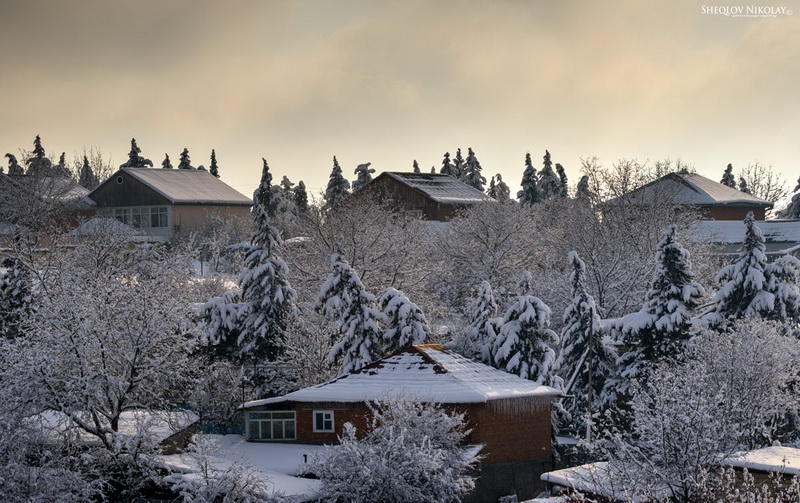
(191, 217)
(405, 198)
(124, 190)
(733, 213)
(512, 430)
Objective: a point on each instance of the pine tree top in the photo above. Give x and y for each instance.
(166, 163)
(213, 168)
(185, 162)
(415, 166)
(134, 159)
(38, 149)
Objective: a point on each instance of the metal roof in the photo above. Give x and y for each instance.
(188, 186)
(695, 190)
(443, 189)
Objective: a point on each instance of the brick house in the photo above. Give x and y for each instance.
(428, 196)
(509, 416)
(161, 202)
(715, 200)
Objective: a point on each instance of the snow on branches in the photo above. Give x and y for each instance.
(405, 324)
(478, 339)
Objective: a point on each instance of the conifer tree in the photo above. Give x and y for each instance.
(416, 166)
(492, 190)
(525, 345)
(503, 192)
(61, 168)
(459, 167)
(662, 326)
(38, 164)
(363, 174)
(185, 162)
(562, 177)
(87, 178)
(344, 300)
(14, 169)
(743, 185)
(582, 192)
(213, 168)
(549, 183)
(447, 165)
(478, 339)
(753, 287)
(433, 170)
(16, 294)
(728, 178)
(338, 187)
(529, 195)
(287, 188)
(404, 323)
(134, 159)
(166, 163)
(471, 174)
(797, 187)
(585, 363)
(300, 197)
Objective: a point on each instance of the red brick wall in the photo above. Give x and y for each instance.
(732, 213)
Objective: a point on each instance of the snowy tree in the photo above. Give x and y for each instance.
(471, 173)
(585, 362)
(529, 195)
(14, 169)
(662, 327)
(338, 187)
(433, 170)
(752, 287)
(562, 177)
(502, 191)
(491, 191)
(16, 297)
(38, 164)
(87, 178)
(166, 163)
(743, 185)
(447, 165)
(478, 338)
(61, 168)
(300, 197)
(459, 167)
(583, 192)
(134, 159)
(525, 344)
(404, 323)
(525, 286)
(185, 162)
(415, 167)
(410, 452)
(363, 174)
(213, 168)
(728, 178)
(549, 182)
(287, 188)
(344, 300)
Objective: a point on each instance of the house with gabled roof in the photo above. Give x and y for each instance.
(507, 415)
(714, 200)
(428, 196)
(161, 202)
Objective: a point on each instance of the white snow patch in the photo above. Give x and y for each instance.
(769, 459)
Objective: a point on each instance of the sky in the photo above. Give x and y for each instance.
(387, 82)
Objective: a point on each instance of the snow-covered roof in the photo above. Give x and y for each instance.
(732, 231)
(58, 188)
(599, 479)
(443, 189)
(426, 373)
(187, 186)
(769, 459)
(692, 189)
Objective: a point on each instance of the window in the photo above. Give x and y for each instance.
(323, 421)
(414, 213)
(271, 425)
(158, 217)
(141, 217)
(123, 215)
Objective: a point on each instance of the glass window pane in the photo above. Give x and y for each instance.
(283, 415)
(266, 431)
(318, 421)
(277, 430)
(289, 427)
(259, 415)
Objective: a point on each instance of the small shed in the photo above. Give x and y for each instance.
(428, 196)
(508, 416)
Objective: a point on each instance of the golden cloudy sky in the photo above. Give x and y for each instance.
(392, 81)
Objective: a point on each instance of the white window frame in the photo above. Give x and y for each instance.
(249, 420)
(314, 421)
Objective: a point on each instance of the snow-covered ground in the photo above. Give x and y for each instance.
(279, 463)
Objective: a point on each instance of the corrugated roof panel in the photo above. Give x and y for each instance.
(443, 189)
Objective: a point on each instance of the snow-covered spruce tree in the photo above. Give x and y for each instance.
(338, 187)
(433, 170)
(491, 191)
(411, 452)
(743, 185)
(363, 174)
(185, 162)
(213, 168)
(166, 163)
(87, 178)
(16, 296)
(38, 164)
(529, 195)
(459, 167)
(525, 344)
(267, 298)
(134, 159)
(662, 327)
(61, 168)
(549, 182)
(752, 287)
(477, 340)
(14, 169)
(415, 167)
(562, 177)
(471, 174)
(344, 300)
(404, 323)
(582, 191)
(502, 190)
(287, 188)
(447, 165)
(584, 360)
(728, 178)
(300, 197)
